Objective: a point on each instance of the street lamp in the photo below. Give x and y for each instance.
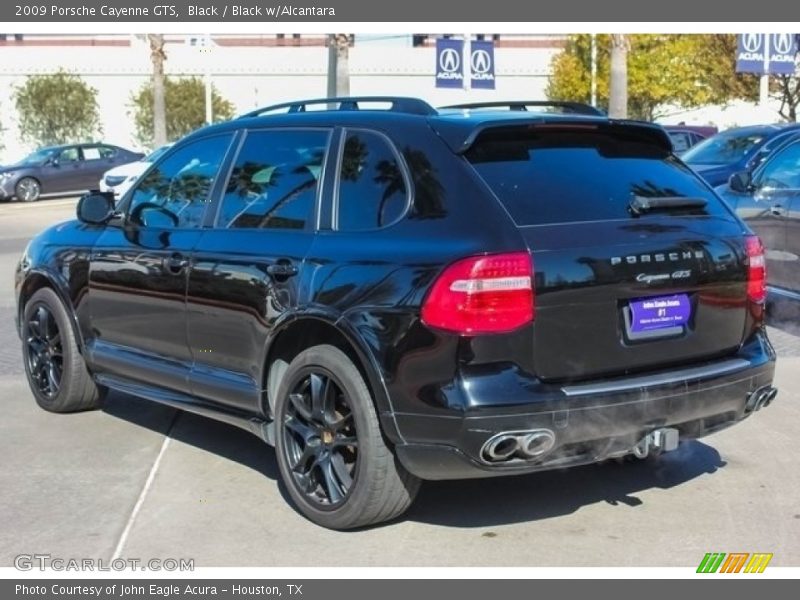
(204, 45)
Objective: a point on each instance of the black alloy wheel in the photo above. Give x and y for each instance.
(320, 439)
(336, 464)
(44, 353)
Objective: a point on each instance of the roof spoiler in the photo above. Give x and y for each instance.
(575, 108)
(461, 140)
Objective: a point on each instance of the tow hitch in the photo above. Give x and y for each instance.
(657, 441)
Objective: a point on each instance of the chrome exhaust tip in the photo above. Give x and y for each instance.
(523, 444)
(537, 443)
(760, 398)
(500, 447)
(770, 397)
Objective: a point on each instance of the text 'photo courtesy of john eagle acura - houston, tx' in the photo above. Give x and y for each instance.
(390, 293)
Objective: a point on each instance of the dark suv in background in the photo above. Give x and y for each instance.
(390, 293)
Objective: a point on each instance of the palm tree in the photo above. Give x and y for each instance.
(339, 64)
(618, 86)
(158, 56)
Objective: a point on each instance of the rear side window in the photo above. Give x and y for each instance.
(273, 184)
(373, 191)
(91, 153)
(563, 176)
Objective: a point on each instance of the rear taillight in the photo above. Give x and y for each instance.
(756, 269)
(482, 294)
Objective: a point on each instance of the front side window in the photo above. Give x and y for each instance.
(69, 155)
(372, 187)
(274, 181)
(175, 192)
(783, 171)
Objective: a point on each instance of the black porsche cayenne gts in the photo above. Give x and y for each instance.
(390, 293)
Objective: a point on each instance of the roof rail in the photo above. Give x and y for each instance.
(413, 106)
(578, 108)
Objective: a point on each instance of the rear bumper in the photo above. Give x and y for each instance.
(591, 421)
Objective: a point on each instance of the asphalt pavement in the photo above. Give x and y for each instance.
(138, 480)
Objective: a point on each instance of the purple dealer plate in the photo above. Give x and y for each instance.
(660, 312)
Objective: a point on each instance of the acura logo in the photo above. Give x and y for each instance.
(751, 42)
(481, 61)
(782, 42)
(449, 60)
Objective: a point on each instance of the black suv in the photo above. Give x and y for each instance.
(389, 293)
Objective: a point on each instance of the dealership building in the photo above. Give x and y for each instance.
(257, 70)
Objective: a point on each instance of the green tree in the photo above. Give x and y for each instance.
(185, 108)
(57, 109)
(663, 70)
(786, 88)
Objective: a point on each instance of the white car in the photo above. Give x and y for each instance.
(119, 179)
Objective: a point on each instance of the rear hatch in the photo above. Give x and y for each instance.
(637, 265)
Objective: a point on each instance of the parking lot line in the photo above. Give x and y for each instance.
(145, 489)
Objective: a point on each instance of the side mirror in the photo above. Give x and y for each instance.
(741, 181)
(54, 162)
(96, 208)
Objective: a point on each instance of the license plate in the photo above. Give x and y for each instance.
(660, 312)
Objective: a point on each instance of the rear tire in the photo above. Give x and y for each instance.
(27, 189)
(56, 371)
(331, 453)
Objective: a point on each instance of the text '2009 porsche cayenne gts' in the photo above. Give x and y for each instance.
(388, 293)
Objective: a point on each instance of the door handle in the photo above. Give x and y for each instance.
(282, 269)
(175, 263)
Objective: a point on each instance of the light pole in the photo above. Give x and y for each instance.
(204, 45)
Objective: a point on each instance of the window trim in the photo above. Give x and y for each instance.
(312, 224)
(124, 204)
(404, 170)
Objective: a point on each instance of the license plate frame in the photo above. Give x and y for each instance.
(657, 316)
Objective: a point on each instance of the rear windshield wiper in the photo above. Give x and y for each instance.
(642, 204)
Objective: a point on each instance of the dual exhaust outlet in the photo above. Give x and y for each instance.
(538, 442)
(760, 398)
(523, 444)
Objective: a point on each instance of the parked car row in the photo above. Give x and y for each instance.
(768, 199)
(119, 179)
(61, 170)
(737, 149)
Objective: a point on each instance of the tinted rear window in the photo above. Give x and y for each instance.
(563, 176)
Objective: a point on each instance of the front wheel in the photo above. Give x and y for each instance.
(54, 366)
(331, 453)
(27, 189)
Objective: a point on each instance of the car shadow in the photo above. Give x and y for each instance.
(549, 494)
(221, 439)
(466, 503)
